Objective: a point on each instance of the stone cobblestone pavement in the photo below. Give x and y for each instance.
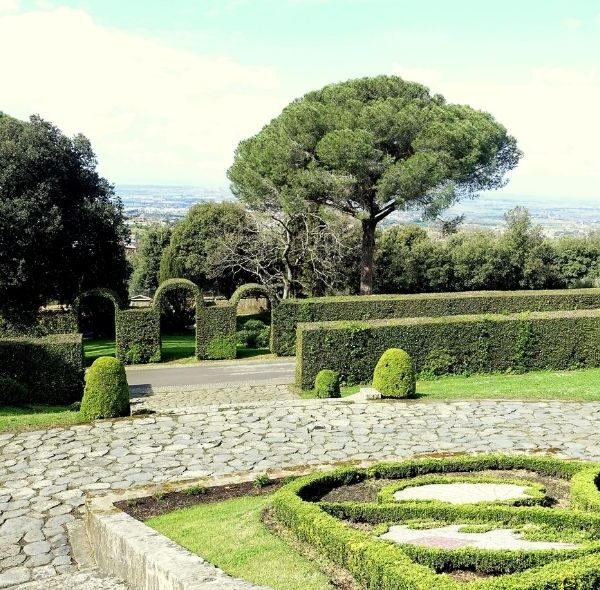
(166, 399)
(44, 475)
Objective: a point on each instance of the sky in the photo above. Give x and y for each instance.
(166, 90)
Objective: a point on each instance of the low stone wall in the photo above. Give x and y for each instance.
(145, 559)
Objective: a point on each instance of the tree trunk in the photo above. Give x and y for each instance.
(367, 256)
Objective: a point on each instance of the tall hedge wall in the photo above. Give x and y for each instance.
(138, 335)
(452, 344)
(50, 367)
(289, 313)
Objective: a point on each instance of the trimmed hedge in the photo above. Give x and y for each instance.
(327, 384)
(289, 313)
(394, 374)
(12, 393)
(106, 393)
(138, 335)
(380, 565)
(216, 336)
(536, 493)
(51, 368)
(58, 322)
(473, 344)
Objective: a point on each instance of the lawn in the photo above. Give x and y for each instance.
(37, 416)
(232, 536)
(578, 385)
(176, 348)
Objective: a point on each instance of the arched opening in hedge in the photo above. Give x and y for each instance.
(254, 306)
(180, 305)
(96, 311)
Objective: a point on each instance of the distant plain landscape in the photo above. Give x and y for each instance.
(558, 217)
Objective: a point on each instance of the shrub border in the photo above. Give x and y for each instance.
(379, 565)
(536, 492)
(292, 312)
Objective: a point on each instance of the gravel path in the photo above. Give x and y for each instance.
(45, 474)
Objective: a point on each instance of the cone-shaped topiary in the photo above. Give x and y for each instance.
(106, 392)
(327, 384)
(394, 374)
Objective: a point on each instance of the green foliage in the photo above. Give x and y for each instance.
(138, 335)
(146, 264)
(106, 393)
(438, 362)
(51, 367)
(196, 243)
(290, 313)
(216, 333)
(221, 347)
(377, 564)
(536, 492)
(366, 147)
(261, 481)
(61, 226)
(478, 343)
(254, 334)
(12, 393)
(327, 384)
(195, 491)
(394, 375)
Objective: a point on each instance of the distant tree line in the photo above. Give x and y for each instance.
(220, 246)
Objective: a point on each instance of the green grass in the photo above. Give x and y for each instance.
(176, 348)
(578, 385)
(37, 416)
(97, 347)
(231, 535)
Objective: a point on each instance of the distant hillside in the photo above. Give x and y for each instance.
(170, 203)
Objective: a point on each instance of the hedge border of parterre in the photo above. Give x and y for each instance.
(50, 367)
(557, 340)
(289, 313)
(380, 565)
(536, 493)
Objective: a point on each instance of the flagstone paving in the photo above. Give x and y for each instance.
(44, 475)
(167, 399)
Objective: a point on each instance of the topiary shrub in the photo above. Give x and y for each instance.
(327, 384)
(254, 334)
(394, 374)
(221, 347)
(106, 392)
(12, 393)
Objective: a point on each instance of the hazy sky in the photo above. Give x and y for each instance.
(166, 89)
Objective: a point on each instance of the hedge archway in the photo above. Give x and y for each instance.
(255, 288)
(99, 293)
(178, 284)
(173, 285)
(245, 290)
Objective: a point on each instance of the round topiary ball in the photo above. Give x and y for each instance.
(12, 393)
(327, 384)
(106, 392)
(394, 374)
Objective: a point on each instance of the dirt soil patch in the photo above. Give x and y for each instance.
(158, 504)
(366, 491)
